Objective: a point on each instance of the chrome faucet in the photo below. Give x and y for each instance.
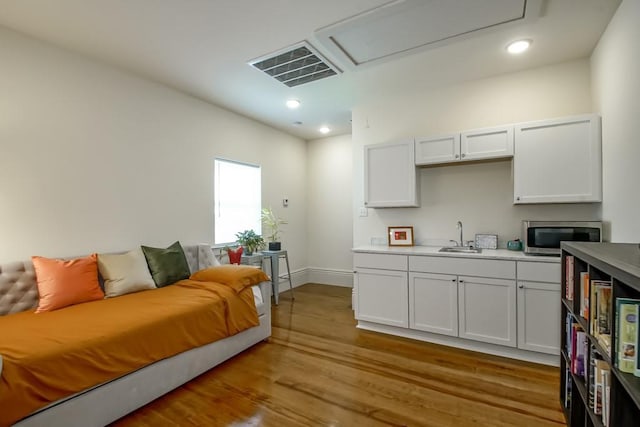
(459, 226)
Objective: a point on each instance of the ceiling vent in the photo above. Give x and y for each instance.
(296, 65)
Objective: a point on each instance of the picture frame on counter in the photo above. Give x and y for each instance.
(400, 235)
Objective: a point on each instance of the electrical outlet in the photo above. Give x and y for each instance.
(285, 202)
(364, 211)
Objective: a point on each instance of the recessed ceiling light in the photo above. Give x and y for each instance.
(324, 129)
(293, 103)
(518, 46)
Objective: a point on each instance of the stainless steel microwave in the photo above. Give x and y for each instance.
(544, 237)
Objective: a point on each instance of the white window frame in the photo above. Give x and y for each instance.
(230, 211)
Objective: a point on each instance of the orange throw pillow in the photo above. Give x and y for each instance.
(63, 283)
(236, 277)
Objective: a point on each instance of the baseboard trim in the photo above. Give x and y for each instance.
(330, 276)
(323, 276)
(298, 278)
(481, 347)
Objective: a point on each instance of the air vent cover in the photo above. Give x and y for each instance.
(296, 65)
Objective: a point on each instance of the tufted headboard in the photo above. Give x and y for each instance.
(19, 291)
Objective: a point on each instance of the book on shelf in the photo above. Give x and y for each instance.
(591, 383)
(637, 372)
(598, 378)
(569, 322)
(568, 277)
(567, 388)
(600, 316)
(627, 310)
(571, 341)
(593, 315)
(584, 294)
(601, 376)
(606, 395)
(579, 354)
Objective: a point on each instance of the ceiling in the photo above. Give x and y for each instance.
(203, 47)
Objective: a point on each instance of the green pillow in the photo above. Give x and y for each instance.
(168, 265)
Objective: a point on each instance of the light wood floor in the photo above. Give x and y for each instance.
(318, 369)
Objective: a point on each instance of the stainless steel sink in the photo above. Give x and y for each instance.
(461, 249)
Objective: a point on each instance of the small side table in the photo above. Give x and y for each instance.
(275, 271)
(253, 259)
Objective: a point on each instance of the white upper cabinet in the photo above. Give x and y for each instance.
(558, 161)
(488, 143)
(441, 149)
(390, 175)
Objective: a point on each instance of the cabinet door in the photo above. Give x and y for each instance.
(558, 161)
(442, 149)
(433, 303)
(539, 317)
(488, 143)
(382, 297)
(487, 310)
(390, 175)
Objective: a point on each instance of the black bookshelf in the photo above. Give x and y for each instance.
(618, 263)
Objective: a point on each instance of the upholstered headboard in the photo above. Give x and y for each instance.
(19, 291)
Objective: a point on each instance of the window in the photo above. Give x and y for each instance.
(237, 188)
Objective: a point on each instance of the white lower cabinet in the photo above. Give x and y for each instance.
(487, 310)
(433, 303)
(512, 304)
(381, 286)
(382, 297)
(539, 307)
(472, 298)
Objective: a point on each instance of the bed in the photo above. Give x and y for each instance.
(102, 403)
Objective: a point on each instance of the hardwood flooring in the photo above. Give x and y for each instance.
(317, 369)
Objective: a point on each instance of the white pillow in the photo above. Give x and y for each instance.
(125, 273)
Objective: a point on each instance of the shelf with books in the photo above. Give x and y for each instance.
(601, 334)
(575, 406)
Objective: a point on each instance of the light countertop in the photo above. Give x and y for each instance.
(503, 254)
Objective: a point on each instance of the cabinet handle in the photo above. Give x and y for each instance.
(461, 281)
(453, 280)
(462, 156)
(517, 198)
(457, 156)
(521, 286)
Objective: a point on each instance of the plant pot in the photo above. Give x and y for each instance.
(275, 246)
(235, 256)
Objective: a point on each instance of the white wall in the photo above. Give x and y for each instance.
(616, 94)
(330, 227)
(95, 159)
(480, 195)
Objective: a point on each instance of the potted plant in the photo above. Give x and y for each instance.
(272, 223)
(250, 241)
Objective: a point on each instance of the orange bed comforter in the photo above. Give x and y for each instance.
(53, 355)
